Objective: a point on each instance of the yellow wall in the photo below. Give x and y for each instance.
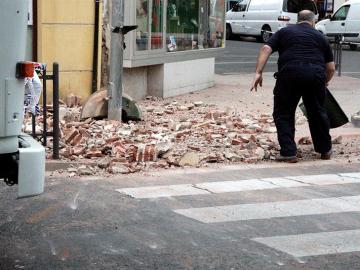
(66, 36)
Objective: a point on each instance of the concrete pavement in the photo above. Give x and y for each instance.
(311, 221)
(232, 92)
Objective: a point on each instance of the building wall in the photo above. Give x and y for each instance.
(66, 36)
(135, 82)
(188, 76)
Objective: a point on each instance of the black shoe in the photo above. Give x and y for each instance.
(326, 156)
(288, 159)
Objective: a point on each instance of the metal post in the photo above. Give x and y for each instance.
(33, 125)
(56, 122)
(44, 137)
(116, 60)
(340, 55)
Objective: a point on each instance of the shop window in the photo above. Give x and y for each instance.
(195, 24)
(157, 25)
(142, 21)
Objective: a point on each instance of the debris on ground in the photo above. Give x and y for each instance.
(305, 141)
(171, 134)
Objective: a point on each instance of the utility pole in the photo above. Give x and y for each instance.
(115, 88)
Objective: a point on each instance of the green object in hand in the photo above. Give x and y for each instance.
(336, 115)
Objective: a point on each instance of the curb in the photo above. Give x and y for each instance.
(56, 165)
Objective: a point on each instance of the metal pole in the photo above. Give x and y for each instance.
(56, 122)
(44, 136)
(116, 60)
(340, 55)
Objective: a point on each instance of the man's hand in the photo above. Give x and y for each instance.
(258, 80)
(263, 57)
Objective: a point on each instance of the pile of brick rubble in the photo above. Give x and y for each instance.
(171, 134)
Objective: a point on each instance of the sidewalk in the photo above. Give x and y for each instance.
(231, 94)
(233, 91)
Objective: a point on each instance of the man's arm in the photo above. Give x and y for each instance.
(330, 71)
(264, 55)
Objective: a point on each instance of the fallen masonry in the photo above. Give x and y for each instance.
(171, 134)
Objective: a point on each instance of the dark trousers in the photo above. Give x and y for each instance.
(293, 82)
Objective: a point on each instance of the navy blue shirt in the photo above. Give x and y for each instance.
(301, 43)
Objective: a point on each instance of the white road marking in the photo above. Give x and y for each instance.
(324, 179)
(232, 186)
(162, 191)
(353, 175)
(273, 209)
(252, 62)
(241, 185)
(315, 244)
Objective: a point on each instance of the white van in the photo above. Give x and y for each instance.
(345, 20)
(261, 18)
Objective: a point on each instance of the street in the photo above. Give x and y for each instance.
(240, 56)
(246, 217)
(253, 214)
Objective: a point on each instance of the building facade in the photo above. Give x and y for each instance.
(172, 51)
(66, 32)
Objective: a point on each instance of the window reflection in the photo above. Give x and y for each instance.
(195, 24)
(157, 25)
(142, 35)
(190, 24)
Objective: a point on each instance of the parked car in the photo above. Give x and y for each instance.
(345, 20)
(261, 18)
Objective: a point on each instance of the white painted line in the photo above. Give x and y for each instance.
(315, 244)
(236, 186)
(352, 175)
(284, 182)
(226, 63)
(324, 179)
(162, 191)
(273, 210)
(241, 185)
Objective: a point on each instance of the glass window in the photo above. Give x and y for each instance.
(195, 24)
(142, 21)
(157, 25)
(230, 4)
(295, 6)
(341, 14)
(241, 6)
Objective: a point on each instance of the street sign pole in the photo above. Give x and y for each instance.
(115, 88)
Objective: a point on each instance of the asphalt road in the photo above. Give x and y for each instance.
(240, 56)
(221, 219)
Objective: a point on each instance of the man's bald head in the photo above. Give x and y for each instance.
(306, 16)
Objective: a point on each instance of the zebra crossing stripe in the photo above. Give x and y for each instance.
(315, 244)
(353, 175)
(241, 185)
(162, 191)
(270, 210)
